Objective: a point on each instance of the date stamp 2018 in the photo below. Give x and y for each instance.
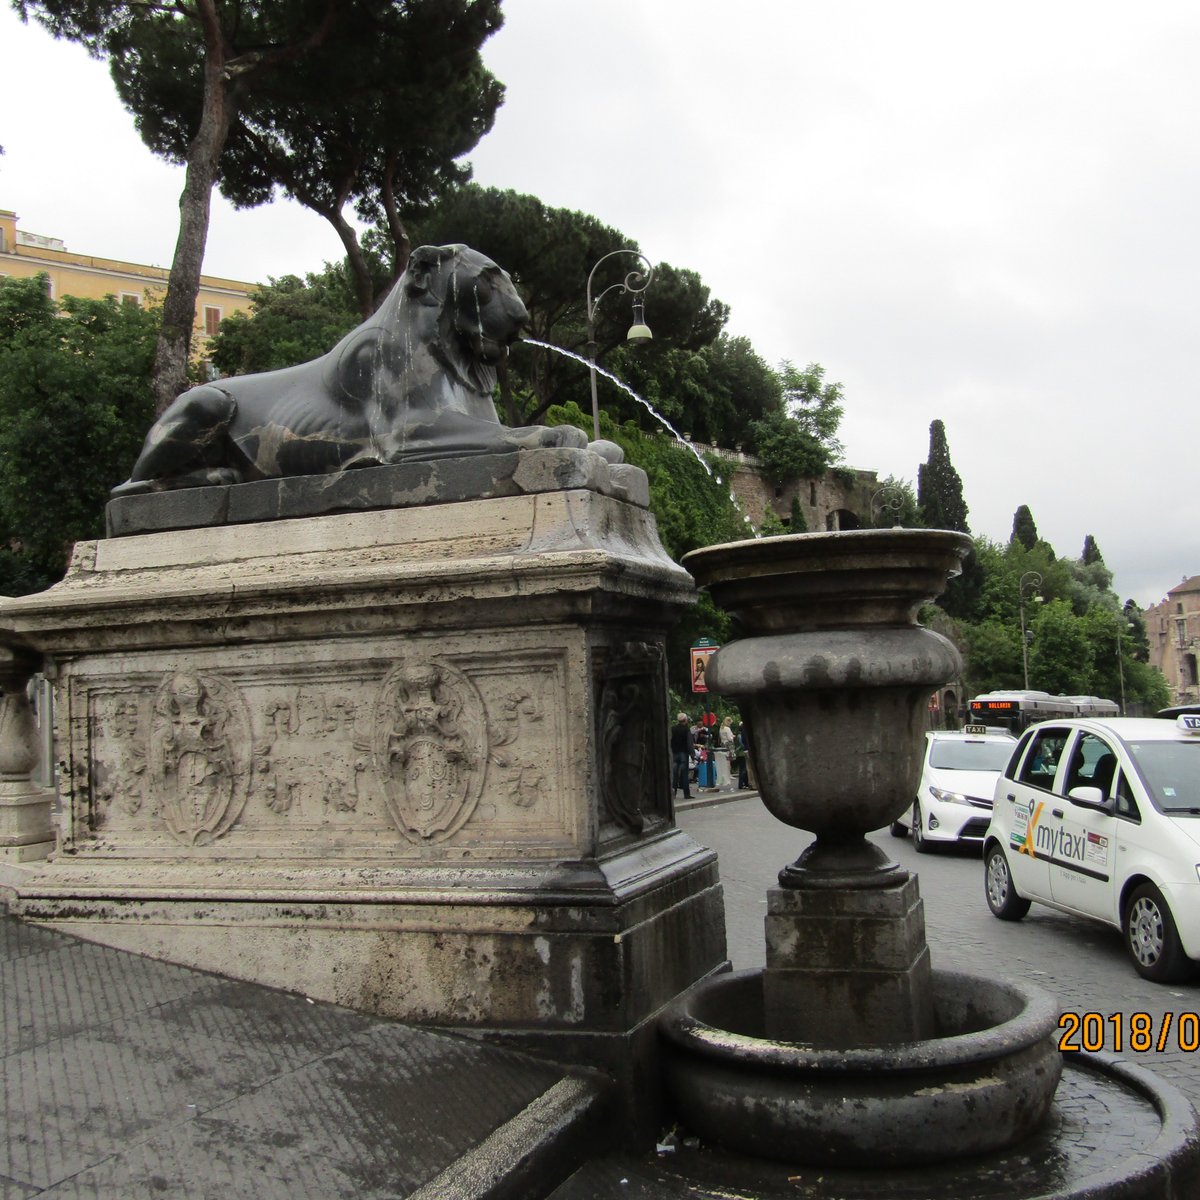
(1139, 1032)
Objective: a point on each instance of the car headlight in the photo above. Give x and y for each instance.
(948, 797)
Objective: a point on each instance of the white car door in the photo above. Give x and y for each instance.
(1083, 853)
(1028, 798)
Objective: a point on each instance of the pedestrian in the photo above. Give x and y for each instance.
(727, 735)
(683, 748)
(742, 749)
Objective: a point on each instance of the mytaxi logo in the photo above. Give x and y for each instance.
(1024, 839)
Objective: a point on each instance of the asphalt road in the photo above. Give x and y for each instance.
(1081, 962)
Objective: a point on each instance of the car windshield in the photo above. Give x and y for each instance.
(1172, 772)
(953, 754)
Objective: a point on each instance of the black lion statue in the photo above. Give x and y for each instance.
(413, 382)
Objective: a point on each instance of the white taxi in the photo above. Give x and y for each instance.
(958, 777)
(1102, 818)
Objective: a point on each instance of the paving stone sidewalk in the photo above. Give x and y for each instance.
(125, 1078)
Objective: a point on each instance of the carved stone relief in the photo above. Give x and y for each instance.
(628, 733)
(199, 756)
(523, 774)
(466, 747)
(310, 759)
(430, 747)
(118, 761)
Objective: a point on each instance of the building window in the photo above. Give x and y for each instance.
(212, 320)
(132, 299)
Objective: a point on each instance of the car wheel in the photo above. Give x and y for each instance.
(921, 843)
(1151, 938)
(899, 829)
(1002, 897)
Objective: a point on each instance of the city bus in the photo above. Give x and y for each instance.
(1016, 711)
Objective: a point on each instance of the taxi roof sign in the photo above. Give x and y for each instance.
(1189, 723)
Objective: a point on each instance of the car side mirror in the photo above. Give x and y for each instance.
(1089, 797)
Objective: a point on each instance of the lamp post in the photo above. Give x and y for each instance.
(1121, 627)
(1032, 580)
(636, 283)
(889, 499)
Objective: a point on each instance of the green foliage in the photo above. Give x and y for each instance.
(787, 450)
(1082, 641)
(75, 402)
(1060, 657)
(715, 393)
(797, 522)
(1024, 531)
(692, 508)
(291, 320)
(771, 525)
(1091, 552)
(939, 487)
(378, 114)
(994, 656)
(816, 406)
(798, 440)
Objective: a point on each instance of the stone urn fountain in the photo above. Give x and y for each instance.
(848, 1047)
(849, 1053)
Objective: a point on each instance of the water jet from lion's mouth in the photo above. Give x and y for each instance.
(666, 424)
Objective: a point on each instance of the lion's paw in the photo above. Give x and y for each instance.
(609, 451)
(567, 437)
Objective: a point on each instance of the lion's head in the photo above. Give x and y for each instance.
(453, 310)
(464, 306)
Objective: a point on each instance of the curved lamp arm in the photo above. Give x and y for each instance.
(635, 282)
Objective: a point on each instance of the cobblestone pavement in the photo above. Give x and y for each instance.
(128, 1079)
(1082, 962)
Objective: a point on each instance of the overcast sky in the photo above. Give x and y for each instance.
(985, 214)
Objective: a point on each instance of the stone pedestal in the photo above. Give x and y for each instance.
(411, 760)
(847, 966)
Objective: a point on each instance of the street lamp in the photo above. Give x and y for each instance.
(1032, 580)
(636, 282)
(890, 499)
(1121, 627)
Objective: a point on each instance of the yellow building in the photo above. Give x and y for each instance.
(24, 254)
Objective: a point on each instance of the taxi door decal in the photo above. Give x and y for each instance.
(1025, 822)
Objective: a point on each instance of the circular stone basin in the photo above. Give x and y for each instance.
(984, 1084)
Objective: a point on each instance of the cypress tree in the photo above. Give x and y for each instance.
(939, 487)
(1091, 552)
(798, 523)
(1023, 528)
